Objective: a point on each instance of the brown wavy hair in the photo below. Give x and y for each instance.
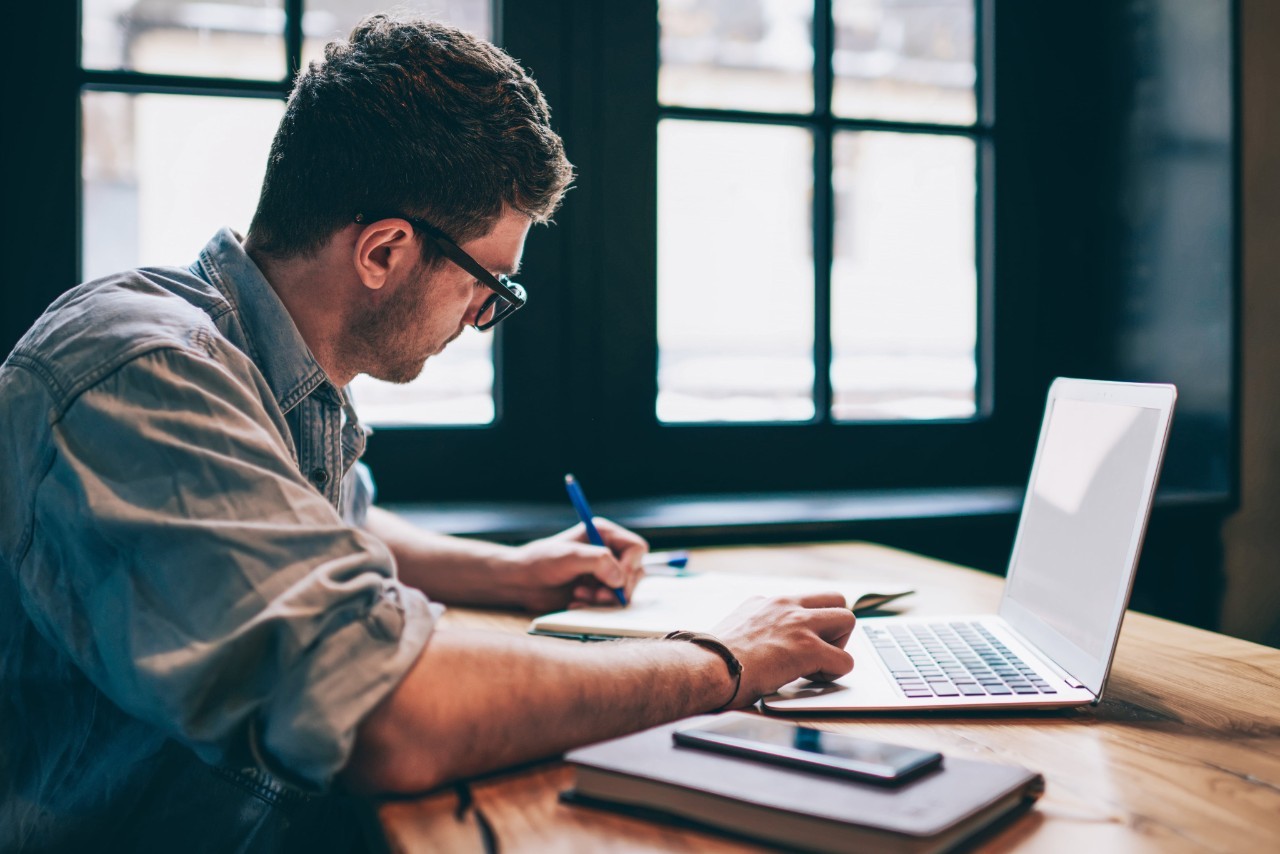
(412, 117)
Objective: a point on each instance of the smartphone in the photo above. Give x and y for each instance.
(810, 749)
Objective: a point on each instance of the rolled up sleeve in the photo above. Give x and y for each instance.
(182, 562)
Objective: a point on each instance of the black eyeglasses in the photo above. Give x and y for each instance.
(507, 296)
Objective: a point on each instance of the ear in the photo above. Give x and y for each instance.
(382, 249)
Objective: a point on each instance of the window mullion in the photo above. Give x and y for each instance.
(293, 36)
(823, 207)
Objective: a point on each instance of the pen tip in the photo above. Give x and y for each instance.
(568, 478)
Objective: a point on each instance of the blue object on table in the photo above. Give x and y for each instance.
(666, 563)
(583, 509)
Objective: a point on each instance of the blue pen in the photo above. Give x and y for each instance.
(666, 563)
(583, 509)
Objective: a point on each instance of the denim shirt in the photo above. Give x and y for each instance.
(192, 622)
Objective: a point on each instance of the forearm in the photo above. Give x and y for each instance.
(476, 701)
(543, 575)
(447, 569)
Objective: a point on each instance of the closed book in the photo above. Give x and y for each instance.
(647, 774)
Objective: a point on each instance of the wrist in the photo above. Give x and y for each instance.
(721, 650)
(505, 574)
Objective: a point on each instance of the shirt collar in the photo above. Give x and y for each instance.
(273, 340)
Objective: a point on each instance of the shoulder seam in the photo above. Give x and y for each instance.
(21, 360)
(66, 397)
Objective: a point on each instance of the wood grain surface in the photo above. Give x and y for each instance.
(1182, 754)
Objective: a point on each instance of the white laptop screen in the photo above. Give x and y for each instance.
(1082, 523)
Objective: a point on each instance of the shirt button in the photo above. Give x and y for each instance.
(319, 477)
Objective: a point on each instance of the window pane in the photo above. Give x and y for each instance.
(161, 173)
(735, 272)
(904, 61)
(904, 285)
(737, 54)
(327, 20)
(206, 38)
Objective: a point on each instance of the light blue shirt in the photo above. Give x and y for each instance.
(181, 558)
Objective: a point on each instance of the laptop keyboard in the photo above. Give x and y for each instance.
(954, 659)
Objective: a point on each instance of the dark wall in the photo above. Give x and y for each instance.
(1252, 606)
(1126, 147)
(39, 235)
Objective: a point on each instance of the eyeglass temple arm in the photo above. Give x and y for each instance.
(466, 262)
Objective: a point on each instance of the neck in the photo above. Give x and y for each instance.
(314, 299)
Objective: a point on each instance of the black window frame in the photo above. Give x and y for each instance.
(577, 368)
(595, 273)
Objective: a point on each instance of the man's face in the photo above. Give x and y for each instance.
(431, 306)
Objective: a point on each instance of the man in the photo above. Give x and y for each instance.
(208, 635)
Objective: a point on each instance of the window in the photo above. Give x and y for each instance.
(817, 190)
(775, 250)
(179, 102)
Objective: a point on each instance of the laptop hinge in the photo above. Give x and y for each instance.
(1060, 673)
(1040, 657)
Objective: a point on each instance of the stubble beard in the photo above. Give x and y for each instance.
(383, 337)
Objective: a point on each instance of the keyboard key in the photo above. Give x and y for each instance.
(945, 691)
(971, 690)
(895, 660)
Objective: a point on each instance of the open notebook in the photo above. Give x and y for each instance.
(697, 602)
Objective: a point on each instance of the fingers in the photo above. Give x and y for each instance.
(592, 592)
(833, 625)
(596, 573)
(627, 546)
(611, 529)
(823, 599)
(833, 620)
(598, 564)
(834, 662)
(619, 565)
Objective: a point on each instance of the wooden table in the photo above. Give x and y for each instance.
(1183, 754)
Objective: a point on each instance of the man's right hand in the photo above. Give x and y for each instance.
(782, 639)
(421, 736)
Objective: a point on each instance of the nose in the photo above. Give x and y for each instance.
(476, 306)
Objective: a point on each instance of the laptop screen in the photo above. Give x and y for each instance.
(1082, 522)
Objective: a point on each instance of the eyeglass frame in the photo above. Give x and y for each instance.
(503, 288)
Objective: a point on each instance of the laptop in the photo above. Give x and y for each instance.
(1070, 575)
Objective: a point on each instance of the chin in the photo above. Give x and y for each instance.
(399, 374)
